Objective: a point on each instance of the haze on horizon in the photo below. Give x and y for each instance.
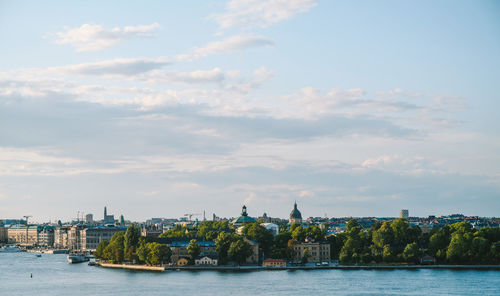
(157, 109)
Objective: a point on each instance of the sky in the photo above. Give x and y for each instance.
(162, 108)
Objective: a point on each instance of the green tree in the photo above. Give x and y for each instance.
(143, 250)
(457, 251)
(115, 249)
(131, 241)
(411, 253)
(305, 257)
(263, 236)
(239, 251)
(193, 249)
(222, 244)
(157, 253)
(479, 249)
(298, 234)
(99, 252)
(315, 233)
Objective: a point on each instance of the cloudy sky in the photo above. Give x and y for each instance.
(161, 108)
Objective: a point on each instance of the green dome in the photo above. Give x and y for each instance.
(295, 214)
(244, 218)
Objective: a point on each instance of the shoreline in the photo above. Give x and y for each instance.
(292, 268)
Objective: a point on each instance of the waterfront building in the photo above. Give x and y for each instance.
(206, 261)
(243, 219)
(179, 249)
(274, 228)
(317, 251)
(91, 237)
(404, 214)
(21, 234)
(295, 215)
(254, 258)
(46, 236)
(74, 241)
(61, 237)
(274, 263)
(182, 261)
(4, 237)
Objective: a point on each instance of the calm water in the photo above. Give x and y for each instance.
(53, 276)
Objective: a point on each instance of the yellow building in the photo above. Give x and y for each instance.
(182, 262)
(274, 263)
(17, 234)
(317, 252)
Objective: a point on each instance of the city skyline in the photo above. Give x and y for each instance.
(167, 108)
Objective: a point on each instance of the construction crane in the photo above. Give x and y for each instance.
(27, 226)
(190, 215)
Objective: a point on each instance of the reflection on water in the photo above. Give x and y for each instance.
(52, 275)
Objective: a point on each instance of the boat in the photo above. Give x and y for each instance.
(39, 255)
(77, 258)
(9, 249)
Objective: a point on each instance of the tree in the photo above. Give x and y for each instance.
(131, 241)
(458, 248)
(336, 242)
(193, 249)
(298, 234)
(157, 253)
(411, 253)
(115, 249)
(305, 257)
(222, 244)
(99, 252)
(239, 251)
(315, 233)
(143, 250)
(438, 243)
(263, 236)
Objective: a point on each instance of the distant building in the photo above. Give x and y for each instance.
(153, 231)
(179, 250)
(243, 219)
(317, 251)
(21, 234)
(295, 215)
(206, 261)
(46, 236)
(89, 219)
(274, 263)
(403, 214)
(182, 261)
(61, 237)
(108, 218)
(254, 258)
(92, 236)
(274, 228)
(3, 235)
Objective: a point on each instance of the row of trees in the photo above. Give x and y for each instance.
(397, 241)
(130, 246)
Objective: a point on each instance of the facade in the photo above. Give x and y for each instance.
(243, 219)
(151, 231)
(92, 236)
(403, 214)
(274, 263)
(318, 252)
(179, 249)
(274, 228)
(295, 215)
(3, 235)
(74, 241)
(46, 236)
(254, 258)
(206, 261)
(61, 237)
(21, 234)
(89, 219)
(182, 262)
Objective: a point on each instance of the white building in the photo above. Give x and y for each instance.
(206, 261)
(275, 229)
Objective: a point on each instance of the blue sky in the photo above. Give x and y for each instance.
(352, 108)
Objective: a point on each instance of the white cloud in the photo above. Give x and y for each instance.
(95, 37)
(261, 13)
(115, 67)
(230, 44)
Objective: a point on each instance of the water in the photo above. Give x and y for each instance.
(52, 275)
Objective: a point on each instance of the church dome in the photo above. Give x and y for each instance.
(244, 218)
(295, 214)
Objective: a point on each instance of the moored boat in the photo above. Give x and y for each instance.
(9, 249)
(77, 258)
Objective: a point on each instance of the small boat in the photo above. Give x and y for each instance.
(77, 258)
(10, 249)
(39, 255)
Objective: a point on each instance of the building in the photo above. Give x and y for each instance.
(24, 235)
(61, 237)
(403, 214)
(181, 262)
(74, 241)
(4, 237)
(243, 219)
(91, 237)
(254, 258)
(316, 251)
(274, 228)
(153, 231)
(295, 215)
(274, 263)
(179, 250)
(89, 219)
(206, 261)
(46, 236)
(108, 219)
